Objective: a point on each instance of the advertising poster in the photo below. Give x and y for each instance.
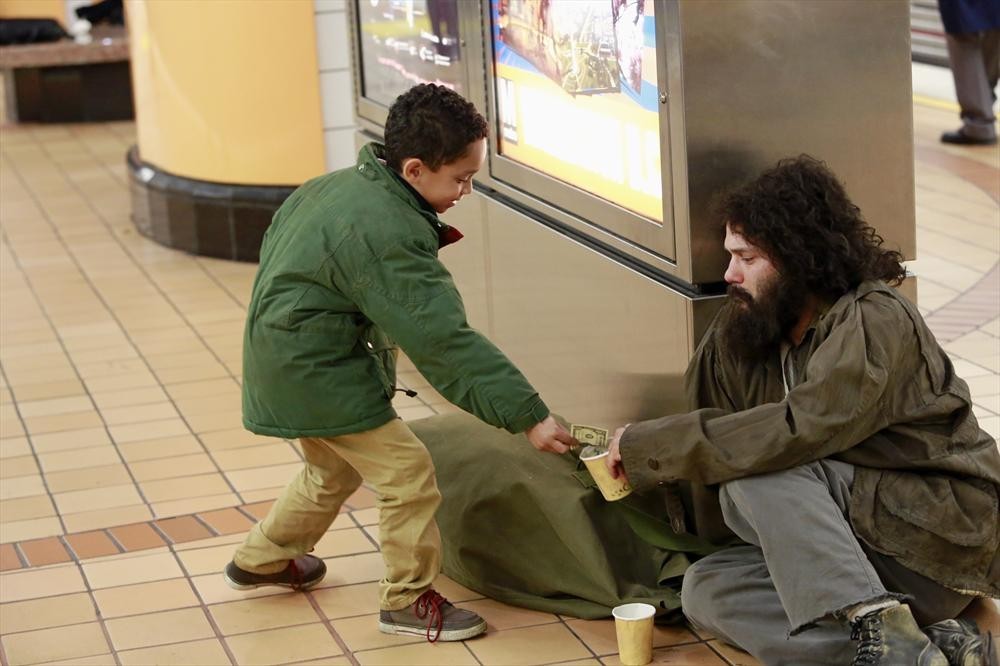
(406, 42)
(577, 98)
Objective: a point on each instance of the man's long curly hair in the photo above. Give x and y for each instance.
(432, 123)
(799, 215)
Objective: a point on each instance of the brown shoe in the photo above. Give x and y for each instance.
(432, 614)
(891, 637)
(962, 643)
(301, 573)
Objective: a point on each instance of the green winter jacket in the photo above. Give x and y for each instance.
(348, 265)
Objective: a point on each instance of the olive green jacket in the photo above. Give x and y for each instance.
(873, 389)
(349, 263)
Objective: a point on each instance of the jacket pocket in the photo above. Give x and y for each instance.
(961, 511)
(383, 352)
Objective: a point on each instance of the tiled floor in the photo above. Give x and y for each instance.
(126, 477)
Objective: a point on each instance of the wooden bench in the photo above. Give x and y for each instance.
(58, 82)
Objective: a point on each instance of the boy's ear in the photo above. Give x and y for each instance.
(412, 168)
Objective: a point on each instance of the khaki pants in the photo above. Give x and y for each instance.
(398, 467)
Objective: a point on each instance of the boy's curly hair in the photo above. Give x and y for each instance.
(432, 123)
(799, 215)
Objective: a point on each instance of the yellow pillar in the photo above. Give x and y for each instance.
(228, 90)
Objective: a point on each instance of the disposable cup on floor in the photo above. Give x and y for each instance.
(612, 489)
(634, 628)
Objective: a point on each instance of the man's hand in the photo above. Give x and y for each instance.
(614, 460)
(549, 436)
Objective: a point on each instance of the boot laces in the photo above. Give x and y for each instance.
(868, 631)
(428, 605)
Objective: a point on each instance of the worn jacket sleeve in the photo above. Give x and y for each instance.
(838, 404)
(411, 296)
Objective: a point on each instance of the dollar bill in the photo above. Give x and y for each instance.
(590, 436)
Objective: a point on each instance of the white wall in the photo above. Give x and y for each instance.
(335, 85)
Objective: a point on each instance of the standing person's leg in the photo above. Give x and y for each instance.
(397, 465)
(969, 55)
(296, 522)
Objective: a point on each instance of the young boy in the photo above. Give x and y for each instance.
(348, 264)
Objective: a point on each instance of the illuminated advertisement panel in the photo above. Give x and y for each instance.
(406, 42)
(576, 95)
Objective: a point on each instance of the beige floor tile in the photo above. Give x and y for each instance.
(94, 499)
(233, 438)
(165, 468)
(175, 626)
(20, 466)
(42, 582)
(140, 379)
(131, 569)
(205, 653)
(91, 477)
(278, 453)
(215, 421)
(39, 425)
(361, 632)
(366, 516)
(262, 613)
(26, 508)
(71, 439)
(152, 597)
(226, 539)
(95, 660)
(115, 416)
(343, 542)
(49, 612)
(263, 477)
(695, 654)
(47, 390)
(228, 399)
(500, 617)
(327, 661)
(32, 408)
(212, 370)
(420, 654)
(192, 486)
(93, 520)
(119, 352)
(529, 645)
(79, 640)
(352, 569)
(12, 447)
(35, 528)
(208, 388)
(112, 368)
(348, 600)
(22, 486)
(75, 459)
(158, 449)
(213, 590)
(991, 425)
(180, 507)
(984, 385)
(261, 494)
(11, 426)
(137, 432)
(201, 561)
(141, 396)
(278, 646)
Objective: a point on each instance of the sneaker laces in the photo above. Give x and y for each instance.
(428, 605)
(867, 630)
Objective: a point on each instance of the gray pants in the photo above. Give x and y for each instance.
(975, 64)
(775, 597)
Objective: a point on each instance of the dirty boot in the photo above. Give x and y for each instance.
(891, 637)
(962, 643)
(432, 615)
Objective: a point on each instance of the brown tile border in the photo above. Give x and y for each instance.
(143, 536)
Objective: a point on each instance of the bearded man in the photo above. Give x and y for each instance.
(833, 439)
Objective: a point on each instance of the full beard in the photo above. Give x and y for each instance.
(752, 329)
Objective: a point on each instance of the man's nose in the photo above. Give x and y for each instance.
(733, 275)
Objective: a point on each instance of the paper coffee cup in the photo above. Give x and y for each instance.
(634, 628)
(596, 462)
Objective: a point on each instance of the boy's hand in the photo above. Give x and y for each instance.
(549, 436)
(614, 459)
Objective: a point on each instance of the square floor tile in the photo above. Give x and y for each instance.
(271, 612)
(175, 626)
(78, 640)
(204, 653)
(544, 644)
(145, 598)
(135, 569)
(419, 654)
(48, 612)
(278, 646)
